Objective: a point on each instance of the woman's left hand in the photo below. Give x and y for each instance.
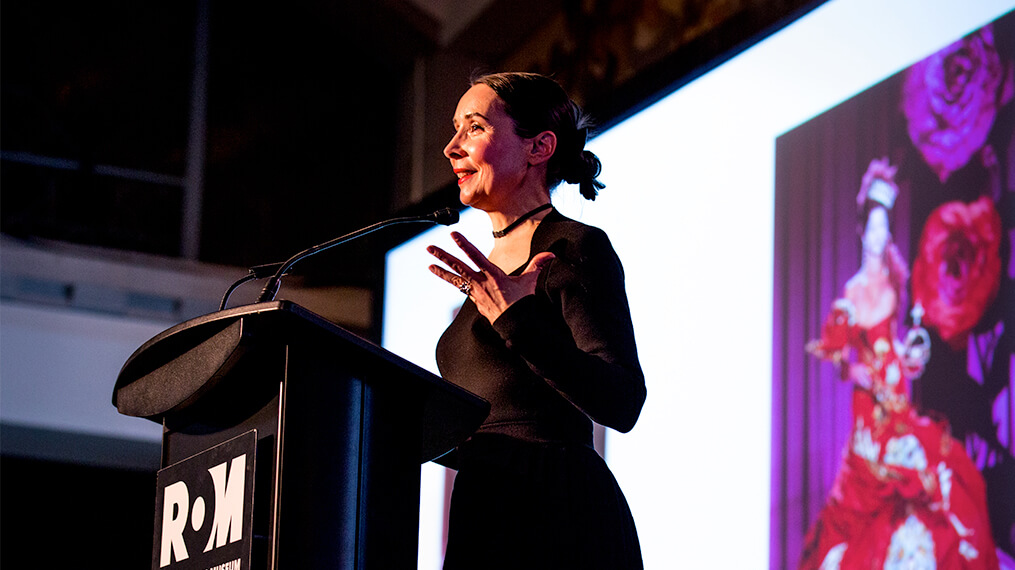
(490, 288)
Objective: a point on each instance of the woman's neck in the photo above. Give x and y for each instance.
(504, 216)
(512, 250)
(873, 264)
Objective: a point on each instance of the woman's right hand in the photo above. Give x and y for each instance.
(492, 290)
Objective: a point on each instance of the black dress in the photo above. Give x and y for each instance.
(531, 492)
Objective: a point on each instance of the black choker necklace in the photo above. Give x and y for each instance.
(525, 216)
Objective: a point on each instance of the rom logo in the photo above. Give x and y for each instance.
(227, 522)
(203, 507)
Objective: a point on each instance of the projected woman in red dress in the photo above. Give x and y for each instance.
(906, 494)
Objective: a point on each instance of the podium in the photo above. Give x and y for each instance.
(288, 442)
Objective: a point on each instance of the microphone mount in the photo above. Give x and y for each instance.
(445, 216)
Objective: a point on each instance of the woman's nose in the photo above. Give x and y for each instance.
(453, 149)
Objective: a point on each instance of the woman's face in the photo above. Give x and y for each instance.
(876, 233)
(489, 158)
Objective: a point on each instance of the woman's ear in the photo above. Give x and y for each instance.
(543, 146)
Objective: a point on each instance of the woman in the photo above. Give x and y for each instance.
(544, 335)
(906, 494)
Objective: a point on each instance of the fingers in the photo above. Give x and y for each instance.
(539, 262)
(460, 267)
(461, 275)
(474, 254)
(449, 276)
(456, 265)
(490, 288)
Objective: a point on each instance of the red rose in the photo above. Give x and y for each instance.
(957, 271)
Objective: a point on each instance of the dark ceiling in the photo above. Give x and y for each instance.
(302, 112)
(302, 105)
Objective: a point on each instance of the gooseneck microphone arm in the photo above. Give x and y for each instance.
(445, 216)
(255, 272)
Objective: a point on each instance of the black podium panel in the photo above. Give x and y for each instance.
(342, 427)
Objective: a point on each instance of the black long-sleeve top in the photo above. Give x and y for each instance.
(557, 358)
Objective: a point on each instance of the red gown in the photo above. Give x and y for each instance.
(906, 494)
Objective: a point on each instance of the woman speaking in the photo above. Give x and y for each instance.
(544, 335)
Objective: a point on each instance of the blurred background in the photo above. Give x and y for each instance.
(151, 152)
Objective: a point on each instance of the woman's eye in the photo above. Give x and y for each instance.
(475, 127)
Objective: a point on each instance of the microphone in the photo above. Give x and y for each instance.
(444, 217)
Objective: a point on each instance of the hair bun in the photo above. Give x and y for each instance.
(583, 171)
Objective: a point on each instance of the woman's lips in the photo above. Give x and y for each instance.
(463, 174)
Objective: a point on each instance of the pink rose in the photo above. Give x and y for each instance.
(950, 100)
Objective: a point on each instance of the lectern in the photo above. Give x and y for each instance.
(288, 442)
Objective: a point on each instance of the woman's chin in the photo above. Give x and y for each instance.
(468, 198)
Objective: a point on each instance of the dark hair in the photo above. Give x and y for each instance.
(537, 103)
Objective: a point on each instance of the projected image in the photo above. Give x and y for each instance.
(896, 457)
(894, 320)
